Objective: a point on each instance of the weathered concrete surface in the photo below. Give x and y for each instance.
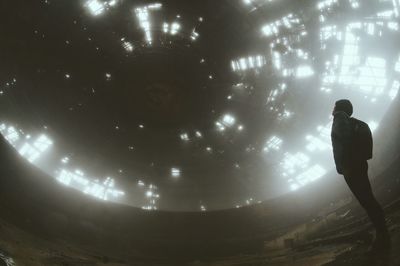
(347, 247)
(44, 223)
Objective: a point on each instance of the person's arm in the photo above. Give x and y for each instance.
(341, 141)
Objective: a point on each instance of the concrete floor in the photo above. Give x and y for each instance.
(347, 245)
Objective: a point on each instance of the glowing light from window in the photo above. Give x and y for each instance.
(294, 162)
(276, 92)
(77, 180)
(396, 7)
(199, 134)
(294, 187)
(276, 60)
(112, 2)
(245, 63)
(10, 134)
(316, 143)
(194, 36)
(328, 32)
(326, 4)
(103, 191)
(310, 175)
(249, 201)
(397, 66)
(248, 2)
(325, 132)
(220, 126)
(287, 22)
(304, 71)
(175, 172)
(274, 143)
(372, 76)
(285, 114)
(184, 137)
(354, 4)
(175, 27)
(127, 46)
(33, 152)
(228, 120)
(143, 16)
(394, 90)
(155, 6)
(95, 7)
(152, 198)
(165, 27)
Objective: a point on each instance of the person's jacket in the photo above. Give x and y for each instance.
(342, 132)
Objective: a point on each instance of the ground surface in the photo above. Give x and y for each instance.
(341, 245)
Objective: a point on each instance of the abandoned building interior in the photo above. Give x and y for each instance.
(193, 132)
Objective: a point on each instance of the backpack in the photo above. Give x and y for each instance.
(362, 139)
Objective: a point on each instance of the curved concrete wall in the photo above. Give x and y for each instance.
(36, 203)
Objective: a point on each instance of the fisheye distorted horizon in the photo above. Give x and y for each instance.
(191, 105)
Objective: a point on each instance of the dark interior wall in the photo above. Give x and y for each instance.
(35, 202)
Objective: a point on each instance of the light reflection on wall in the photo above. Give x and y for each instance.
(37, 150)
(226, 121)
(95, 7)
(128, 46)
(98, 7)
(102, 190)
(175, 172)
(274, 143)
(274, 28)
(151, 195)
(245, 63)
(33, 151)
(350, 68)
(172, 28)
(143, 15)
(10, 134)
(347, 70)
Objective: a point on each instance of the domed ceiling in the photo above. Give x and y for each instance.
(190, 105)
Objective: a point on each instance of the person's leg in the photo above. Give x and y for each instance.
(359, 184)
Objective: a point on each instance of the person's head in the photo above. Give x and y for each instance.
(343, 106)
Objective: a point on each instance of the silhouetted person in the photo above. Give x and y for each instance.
(352, 148)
